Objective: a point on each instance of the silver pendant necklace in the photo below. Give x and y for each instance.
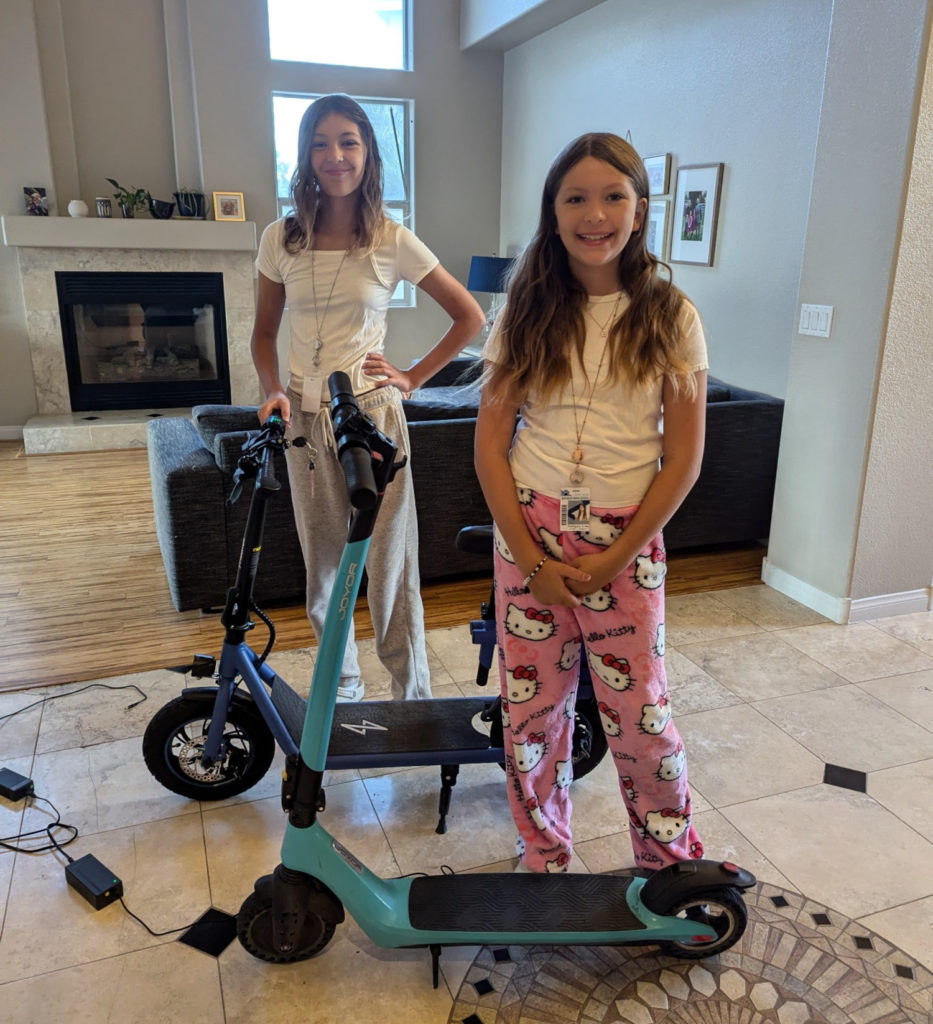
(319, 320)
(576, 474)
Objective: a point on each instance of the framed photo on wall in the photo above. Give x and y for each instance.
(229, 206)
(696, 211)
(656, 228)
(659, 174)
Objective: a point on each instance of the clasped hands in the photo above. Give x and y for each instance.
(564, 583)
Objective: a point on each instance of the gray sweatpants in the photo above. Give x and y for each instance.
(322, 512)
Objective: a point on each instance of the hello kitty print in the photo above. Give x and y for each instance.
(619, 629)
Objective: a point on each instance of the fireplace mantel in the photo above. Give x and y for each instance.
(45, 245)
(116, 233)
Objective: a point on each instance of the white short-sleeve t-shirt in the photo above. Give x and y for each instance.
(347, 299)
(621, 435)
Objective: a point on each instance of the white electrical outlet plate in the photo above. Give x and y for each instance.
(816, 320)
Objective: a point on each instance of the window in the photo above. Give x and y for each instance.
(392, 122)
(356, 33)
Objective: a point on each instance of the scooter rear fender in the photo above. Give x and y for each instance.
(691, 877)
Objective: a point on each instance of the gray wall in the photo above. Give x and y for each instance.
(739, 85)
(812, 106)
(111, 85)
(25, 162)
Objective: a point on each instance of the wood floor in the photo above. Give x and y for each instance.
(83, 593)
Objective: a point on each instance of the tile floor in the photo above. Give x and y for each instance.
(766, 694)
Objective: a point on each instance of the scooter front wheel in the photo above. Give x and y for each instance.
(723, 909)
(254, 930)
(174, 742)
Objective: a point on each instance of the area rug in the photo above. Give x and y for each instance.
(797, 963)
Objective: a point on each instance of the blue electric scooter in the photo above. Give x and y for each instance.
(692, 909)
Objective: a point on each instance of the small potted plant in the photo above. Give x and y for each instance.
(190, 203)
(130, 199)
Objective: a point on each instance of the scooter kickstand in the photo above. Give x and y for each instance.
(449, 773)
(435, 962)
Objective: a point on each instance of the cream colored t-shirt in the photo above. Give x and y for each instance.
(620, 434)
(352, 317)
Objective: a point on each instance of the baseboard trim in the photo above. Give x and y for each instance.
(844, 609)
(884, 605)
(11, 433)
(835, 608)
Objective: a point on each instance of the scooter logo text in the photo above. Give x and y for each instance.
(347, 588)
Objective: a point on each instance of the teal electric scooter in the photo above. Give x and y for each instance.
(692, 909)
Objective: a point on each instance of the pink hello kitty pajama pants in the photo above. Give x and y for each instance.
(622, 627)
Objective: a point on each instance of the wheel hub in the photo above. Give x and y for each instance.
(189, 761)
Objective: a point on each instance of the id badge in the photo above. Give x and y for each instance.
(575, 509)
(311, 388)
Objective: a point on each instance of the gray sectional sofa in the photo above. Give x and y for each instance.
(191, 462)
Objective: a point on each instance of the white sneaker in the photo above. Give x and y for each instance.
(350, 694)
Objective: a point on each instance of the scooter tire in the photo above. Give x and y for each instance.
(589, 740)
(254, 930)
(176, 735)
(723, 909)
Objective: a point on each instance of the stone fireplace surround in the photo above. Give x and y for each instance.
(89, 244)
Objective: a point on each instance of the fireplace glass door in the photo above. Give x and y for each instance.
(144, 340)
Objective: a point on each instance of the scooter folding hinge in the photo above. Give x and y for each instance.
(302, 793)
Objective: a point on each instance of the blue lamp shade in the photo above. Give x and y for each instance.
(487, 274)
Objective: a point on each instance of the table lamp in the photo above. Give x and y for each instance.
(488, 274)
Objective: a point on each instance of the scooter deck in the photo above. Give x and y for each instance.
(374, 734)
(522, 903)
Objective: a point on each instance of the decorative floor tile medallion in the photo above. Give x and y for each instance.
(797, 963)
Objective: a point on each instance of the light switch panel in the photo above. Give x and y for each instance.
(816, 320)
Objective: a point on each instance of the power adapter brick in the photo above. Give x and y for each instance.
(13, 785)
(96, 883)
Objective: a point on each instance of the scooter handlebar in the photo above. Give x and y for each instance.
(353, 448)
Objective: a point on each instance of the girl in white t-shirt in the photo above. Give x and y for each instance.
(336, 262)
(593, 347)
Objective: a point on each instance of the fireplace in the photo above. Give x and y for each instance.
(142, 340)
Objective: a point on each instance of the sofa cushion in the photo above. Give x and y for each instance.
(451, 402)
(717, 391)
(212, 420)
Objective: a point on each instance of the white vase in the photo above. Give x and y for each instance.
(77, 208)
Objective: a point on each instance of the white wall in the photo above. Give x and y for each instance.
(824, 494)
(739, 85)
(895, 525)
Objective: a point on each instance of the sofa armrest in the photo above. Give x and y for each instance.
(731, 501)
(187, 490)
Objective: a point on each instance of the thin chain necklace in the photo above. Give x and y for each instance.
(319, 320)
(576, 474)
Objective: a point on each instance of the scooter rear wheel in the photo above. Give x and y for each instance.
(175, 738)
(723, 909)
(254, 930)
(589, 740)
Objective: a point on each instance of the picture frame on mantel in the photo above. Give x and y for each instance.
(229, 206)
(659, 174)
(696, 214)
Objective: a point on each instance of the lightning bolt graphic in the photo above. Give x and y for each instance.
(363, 727)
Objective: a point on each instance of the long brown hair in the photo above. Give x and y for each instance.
(306, 191)
(542, 323)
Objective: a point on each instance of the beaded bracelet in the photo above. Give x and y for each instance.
(533, 573)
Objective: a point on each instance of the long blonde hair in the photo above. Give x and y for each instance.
(306, 191)
(543, 324)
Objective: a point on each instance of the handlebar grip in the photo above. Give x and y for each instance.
(265, 476)
(353, 449)
(357, 466)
